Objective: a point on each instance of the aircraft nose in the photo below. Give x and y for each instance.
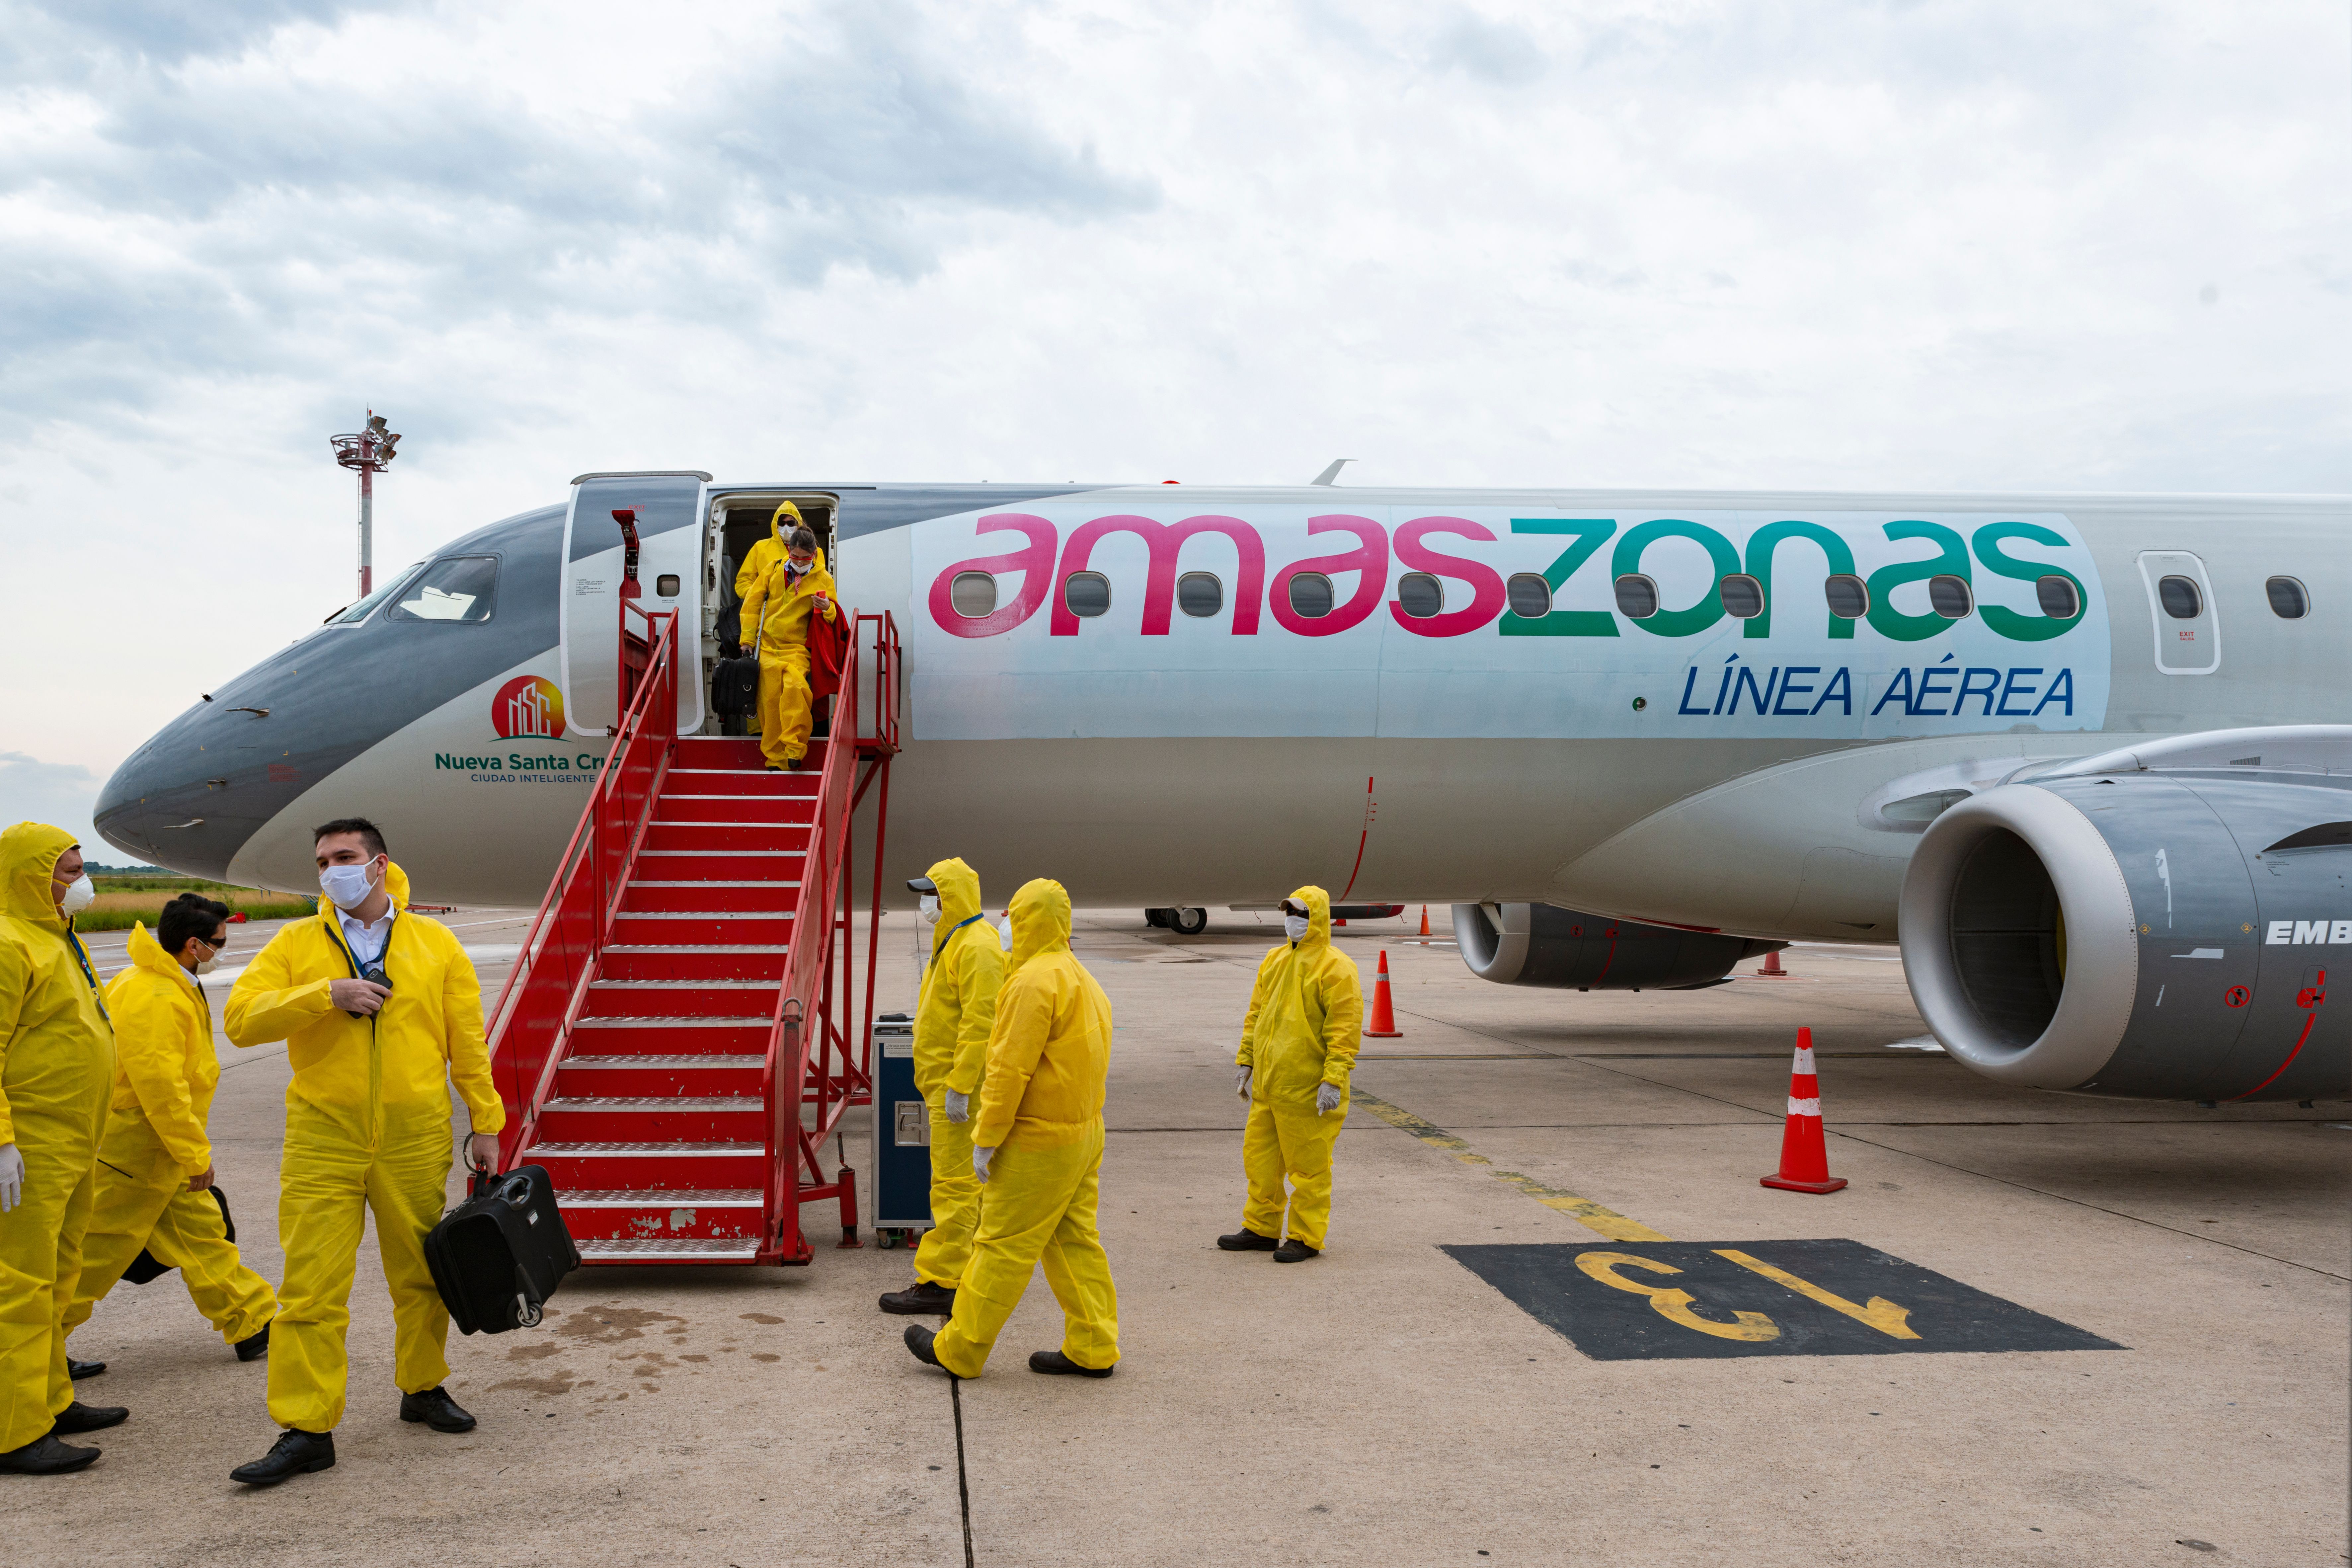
(163, 807)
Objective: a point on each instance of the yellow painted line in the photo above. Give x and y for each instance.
(1880, 1313)
(1584, 1211)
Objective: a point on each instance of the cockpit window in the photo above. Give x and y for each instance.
(454, 588)
(353, 614)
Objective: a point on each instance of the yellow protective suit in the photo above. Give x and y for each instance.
(767, 553)
(156, 1139)
(56, 1058)
(1306, 1021)
(367, 1131)
(776, 614)
(953, 1020)
(1040, 1107)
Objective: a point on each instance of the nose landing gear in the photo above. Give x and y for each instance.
(1182, 922)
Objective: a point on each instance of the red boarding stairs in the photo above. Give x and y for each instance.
(676, 1042)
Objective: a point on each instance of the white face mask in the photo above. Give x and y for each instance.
(1296, 926)
(348, 885)
(208, 963)
(931, 909)
(79, 894)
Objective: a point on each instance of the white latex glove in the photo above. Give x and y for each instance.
(981, 1156)
(959, 1106)
(12, 1177)
(1326, 1099)
(1241, 1082)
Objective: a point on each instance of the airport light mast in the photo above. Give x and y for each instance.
(369, 451)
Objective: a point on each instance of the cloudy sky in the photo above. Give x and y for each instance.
(1923, 245)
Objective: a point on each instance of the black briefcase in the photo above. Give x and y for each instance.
(498, 1256)
(735, 687)
(144, 1268)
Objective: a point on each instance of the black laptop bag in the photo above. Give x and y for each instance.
(498, 1256)
(144, 1268)
(735, 687)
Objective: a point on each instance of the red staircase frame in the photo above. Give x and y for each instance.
(820, 1043)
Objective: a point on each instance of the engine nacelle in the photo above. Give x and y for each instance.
(2159, 924)
(1541, 944)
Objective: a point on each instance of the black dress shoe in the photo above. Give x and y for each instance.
(254, 1345)
(44, 1456)
(1246, 1240)
(1053, 1364)
(77, 1370)
(921, 1297)
(437, 1410)
(1294, 1251)
(918, 1340)
(294, 1454)
(79, 1417)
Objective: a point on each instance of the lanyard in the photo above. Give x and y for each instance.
(942, 939)
(81, 956)
(335, 930)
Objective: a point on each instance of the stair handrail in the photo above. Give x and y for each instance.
(547, 987)
(800, 1025)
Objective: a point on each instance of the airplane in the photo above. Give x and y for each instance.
(1633, 737)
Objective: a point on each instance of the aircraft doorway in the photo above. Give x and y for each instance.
(738, 520)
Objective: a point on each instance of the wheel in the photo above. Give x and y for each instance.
(1188, 923)
(886, 1239)
(1155, 918)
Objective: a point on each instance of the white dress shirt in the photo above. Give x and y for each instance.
(368, 942)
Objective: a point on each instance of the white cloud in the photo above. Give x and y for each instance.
(60, 794)
(1912, 245)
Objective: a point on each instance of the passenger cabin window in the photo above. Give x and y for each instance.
(1200, 593)
(353, 614)
(2288, 601)
(1311, 595)
(1530, 596)
(1743, 596)
(1848, 594)
(457, 588)
(973, 594)
(1087, 593)
(1950, 598)
(2179, 597)
(2059, 598)
(1421, 595)
(1637, 596)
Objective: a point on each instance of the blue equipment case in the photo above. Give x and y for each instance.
(902, 1136)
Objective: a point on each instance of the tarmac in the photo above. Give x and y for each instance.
(1384, 1403)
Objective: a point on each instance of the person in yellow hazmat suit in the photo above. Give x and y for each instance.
(952, 1021)
(1037, 1147)
(767, 552)
(1306, 1021)
(381, 1014)
(155, 1159)
(776, 614)
(57, 1060)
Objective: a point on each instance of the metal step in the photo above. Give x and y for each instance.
(679, 1151)
(665, 1197)
(668, 1063)
(654, 1102)
(684, 1249)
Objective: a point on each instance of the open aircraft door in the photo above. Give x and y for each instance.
(669, 566)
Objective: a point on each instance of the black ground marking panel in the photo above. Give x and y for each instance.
(1618, 1301)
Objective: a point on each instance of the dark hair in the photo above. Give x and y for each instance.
(801, 539)
(370, 835)
(190, 914)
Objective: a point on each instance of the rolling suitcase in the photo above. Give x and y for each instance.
(498, 1256)
(735, 687)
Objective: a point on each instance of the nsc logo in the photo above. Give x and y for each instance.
(529, 705)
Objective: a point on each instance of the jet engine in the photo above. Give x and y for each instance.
(1542, 944)
(2156, 922)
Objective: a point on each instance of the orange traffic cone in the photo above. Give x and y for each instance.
(1804, 1155)
(1770, 969)
(1424, 920)
(1384, 1024)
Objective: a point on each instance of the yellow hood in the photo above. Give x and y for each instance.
(1318, 915)
(28, 858)
(395, 882)
(958, 887)
(776, 534)
(1041, 922)
(148, 953)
